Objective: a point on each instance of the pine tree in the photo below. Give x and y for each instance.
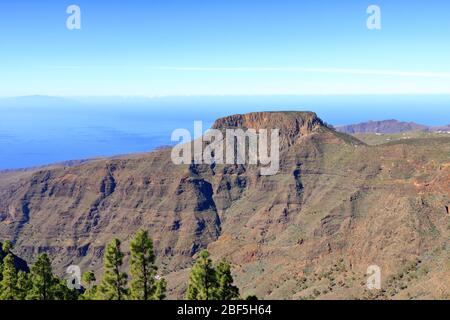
(8, 285)
(160, 291)
(226, 290)
(6, 247)
(23, 285)
(43, 282)
(89, 279)
(4, 250)
(113, 286)
(202, 280)
(63, 292)
(142, 267)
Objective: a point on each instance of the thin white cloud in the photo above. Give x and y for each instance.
(374, 72)
(348, 71)
(61, 67)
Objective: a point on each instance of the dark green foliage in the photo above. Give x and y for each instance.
(40, 284)
(6, 247)
(160, 291)
(142, 267)
(202, 280)
(23, 285)
(206, 282)
(209, 283)
(113, 285)
(8, 285)
(1, 267)
(226, 290)
(63, 292)
(4, 250)
(44, 285)
(88, 280)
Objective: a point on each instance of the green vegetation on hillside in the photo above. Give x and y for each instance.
(378, 139)
(206, 282)
(209, 283)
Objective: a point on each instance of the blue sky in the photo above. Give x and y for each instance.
(224, 47)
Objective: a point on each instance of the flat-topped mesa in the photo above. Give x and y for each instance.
(292, 124)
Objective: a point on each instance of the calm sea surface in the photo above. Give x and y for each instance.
(39, 132)
(48, 135)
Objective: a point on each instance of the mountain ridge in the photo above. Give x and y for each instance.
(334, 198)
(391, 126)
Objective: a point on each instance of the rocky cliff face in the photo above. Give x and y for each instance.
(336, 207)
(292, 125)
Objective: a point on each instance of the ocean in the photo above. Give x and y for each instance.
(43, 130)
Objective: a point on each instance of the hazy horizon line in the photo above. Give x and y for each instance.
(225, 95)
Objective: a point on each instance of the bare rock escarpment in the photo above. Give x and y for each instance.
(333, 199)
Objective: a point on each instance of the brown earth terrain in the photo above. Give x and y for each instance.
(336, 207)
(389, 127)
(384, 126)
